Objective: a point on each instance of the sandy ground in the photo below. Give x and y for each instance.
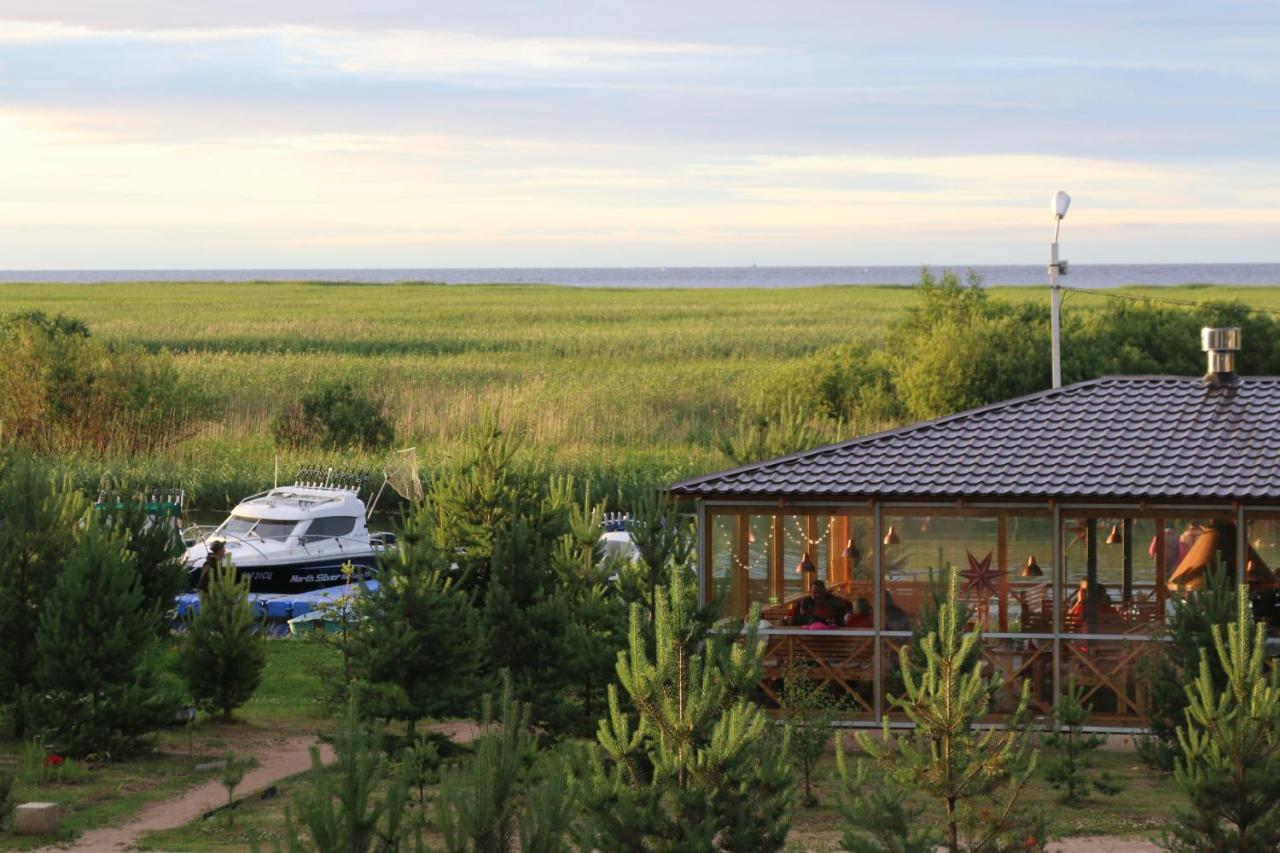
(1103, 844)
(275, 762)
(284, 759)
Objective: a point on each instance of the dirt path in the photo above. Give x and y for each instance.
(1103, 844)
(284, 759)
(277, 762)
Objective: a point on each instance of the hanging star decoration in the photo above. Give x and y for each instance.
(980, 576)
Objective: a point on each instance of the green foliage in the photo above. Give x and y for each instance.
(334, 415)
(233, 774)
(881, 816)
(6, 796)
(346, 808)
(808, 711)
(222, 652)
(509, 796)
(97, 682)
(152, 538)
(61, 389)
(1069, 769)
(774, 428)
(40, 519)
(415, 643)
(945, 758)
(663, 539)
(693, 767)
(1229, 763)
(1166, 670)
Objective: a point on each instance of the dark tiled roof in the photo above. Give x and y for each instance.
(1140, 437)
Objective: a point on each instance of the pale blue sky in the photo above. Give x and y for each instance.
(141, 133)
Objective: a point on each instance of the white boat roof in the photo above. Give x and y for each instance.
(300, 502)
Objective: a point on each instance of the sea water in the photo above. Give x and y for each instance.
(1084, 275)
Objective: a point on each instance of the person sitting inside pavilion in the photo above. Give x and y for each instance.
(820, 606)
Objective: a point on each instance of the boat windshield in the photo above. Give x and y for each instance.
(244, 527)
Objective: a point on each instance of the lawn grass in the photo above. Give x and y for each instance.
(289, 703)
(626, 385)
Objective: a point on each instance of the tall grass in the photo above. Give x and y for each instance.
(622, 384)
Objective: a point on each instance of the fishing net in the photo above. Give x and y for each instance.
(402, 474)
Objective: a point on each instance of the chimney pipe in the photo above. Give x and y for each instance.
(1221, 345)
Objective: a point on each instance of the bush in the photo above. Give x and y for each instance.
(61, 389)
(98, 686)
(336, 416)
(223, 656)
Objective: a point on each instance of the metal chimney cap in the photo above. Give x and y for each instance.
(1221, 345)
(1222, 339)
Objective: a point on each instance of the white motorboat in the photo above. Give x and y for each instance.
(299, 538)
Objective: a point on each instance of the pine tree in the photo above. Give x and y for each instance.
(808, 711)
(223, 654)
(662, 538)
(1171, 664)
(945, 757)
(694, 767)
(1229, 765)
(509, 796)
(1069, 770)
(40, 520)
(881, 817)
(149, 534)
(416, 645)
(97, 679)
(347, 808)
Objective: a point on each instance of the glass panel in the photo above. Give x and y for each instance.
(1262, 559)
(920, 551)
(805, 536)
(759, 556)
(1112, 575)
(725, 579)
(1031, 573)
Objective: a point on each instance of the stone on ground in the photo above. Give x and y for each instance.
(36, 819)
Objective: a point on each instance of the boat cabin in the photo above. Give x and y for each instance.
(1074, 516)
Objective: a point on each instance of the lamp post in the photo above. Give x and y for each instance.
(1061, 201)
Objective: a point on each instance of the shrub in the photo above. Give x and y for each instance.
(98, 687)
(61, 389)
(808, 711)
(1069, 770)
(223, 656)
(336, 416)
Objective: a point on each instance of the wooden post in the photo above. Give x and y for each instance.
(1128, 561)
(1002, 556)
(742, 562)
(1091, 573)
(777, 560)
(1162, 589)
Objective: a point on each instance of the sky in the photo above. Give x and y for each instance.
(150, 134)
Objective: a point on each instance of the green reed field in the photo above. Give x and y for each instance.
(628, 383)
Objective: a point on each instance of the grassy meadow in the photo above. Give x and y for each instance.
(631, 384)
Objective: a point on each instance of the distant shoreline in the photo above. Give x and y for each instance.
(1021, 275)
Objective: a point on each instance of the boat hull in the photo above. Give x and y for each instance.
(285, 578)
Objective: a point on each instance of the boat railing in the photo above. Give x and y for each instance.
(292, 545)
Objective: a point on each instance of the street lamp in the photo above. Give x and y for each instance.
(1061, 201)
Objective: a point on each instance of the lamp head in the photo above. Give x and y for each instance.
(1061, 201)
